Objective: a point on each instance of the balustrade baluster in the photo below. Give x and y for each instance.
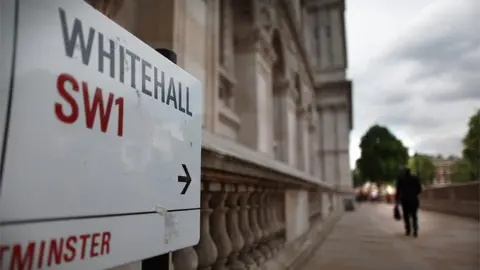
(206, 250)
(272, 225)
(233, 220)
(185, 259)
(245, 228)
(219, 229)
(280, 216)
(262, 221)
(257, 232)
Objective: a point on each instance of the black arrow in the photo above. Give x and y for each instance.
(185, 179)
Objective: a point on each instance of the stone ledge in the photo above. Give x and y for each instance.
(296, 253)
(459, 208)
(447, 186)
(222, 154)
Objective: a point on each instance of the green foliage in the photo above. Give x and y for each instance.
(357, 178)
(471, 146)
(468, 167)
(461, 171)
(423, 167)
(381, 155)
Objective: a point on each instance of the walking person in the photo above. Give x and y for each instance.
(408, 189)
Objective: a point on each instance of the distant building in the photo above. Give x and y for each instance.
(443, 169)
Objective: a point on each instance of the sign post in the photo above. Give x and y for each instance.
(102, 144)
(163, 261)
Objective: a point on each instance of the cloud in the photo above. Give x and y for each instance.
(451, 144)
(423, 83)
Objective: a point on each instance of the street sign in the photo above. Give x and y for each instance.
(102, 143)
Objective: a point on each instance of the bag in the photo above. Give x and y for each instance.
(396, 213)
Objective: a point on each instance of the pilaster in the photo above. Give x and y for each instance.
(254, 56)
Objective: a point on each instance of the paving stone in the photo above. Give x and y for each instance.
(371, 239)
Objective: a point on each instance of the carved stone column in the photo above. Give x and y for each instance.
(185, 259)
(234, 232)
(206, 249)
(219, 229)
(257, 232)
(245, 227)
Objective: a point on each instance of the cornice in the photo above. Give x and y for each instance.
(257, 40)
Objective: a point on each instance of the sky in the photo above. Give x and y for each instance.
(415, 67)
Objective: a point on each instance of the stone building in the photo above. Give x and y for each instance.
(278, 113)
(443, 170)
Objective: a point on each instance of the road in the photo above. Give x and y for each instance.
(370, 239)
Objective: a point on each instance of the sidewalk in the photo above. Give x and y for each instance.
(369, 239)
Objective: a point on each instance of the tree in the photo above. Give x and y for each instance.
(357, 178)
(461, 171)
(423, 167)
(471, 146)
(381, 155)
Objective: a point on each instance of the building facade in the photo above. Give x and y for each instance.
(443, 170)
(277, 118)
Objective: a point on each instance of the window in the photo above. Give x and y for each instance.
(225, 94)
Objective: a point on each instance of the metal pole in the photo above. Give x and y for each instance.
(162, 261)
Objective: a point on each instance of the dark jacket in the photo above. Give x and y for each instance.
(408, 187)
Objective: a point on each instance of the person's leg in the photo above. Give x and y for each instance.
(406, 218)
(415, 220)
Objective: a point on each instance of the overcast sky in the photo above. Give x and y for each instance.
(415, 66)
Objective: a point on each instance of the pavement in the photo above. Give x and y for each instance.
(370, 239)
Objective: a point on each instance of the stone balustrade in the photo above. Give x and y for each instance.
(253, 215)
(243, 216)
(458, 199)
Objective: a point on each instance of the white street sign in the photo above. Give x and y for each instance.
(101, 162)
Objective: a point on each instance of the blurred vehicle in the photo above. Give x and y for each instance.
(375, 193)
(390, 196)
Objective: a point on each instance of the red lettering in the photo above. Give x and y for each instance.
(95, 244)
(61, 115)
(84, 238)
(90, 112)
(40, 256)
(93, 106)
(71, 241)
(20, 260)
(119, 102)
(2, 250)
(105, 243)
(55, 251)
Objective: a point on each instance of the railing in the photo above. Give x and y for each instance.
(245, 210)
(458, 199)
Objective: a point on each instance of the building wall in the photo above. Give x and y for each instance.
(266, 82)
(443, 170)
(259, 75)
